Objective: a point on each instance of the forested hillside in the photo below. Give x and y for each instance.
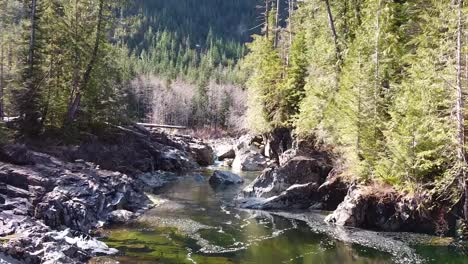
(381, 81)
(187, 51)
(155, 61)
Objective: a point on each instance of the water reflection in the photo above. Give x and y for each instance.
(193, 223)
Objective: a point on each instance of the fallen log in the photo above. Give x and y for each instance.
(161, 126)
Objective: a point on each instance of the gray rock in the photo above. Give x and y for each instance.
(387, 210)
(50, 193)
(150, 182)
(132, 151)
(352, 211)
(287, 156)
(249, 161)
(225, 178)
(4, 259)
(34, 242)
(16, 154)
(224, 152)
(120, 216)
(202, 153)
(244, 142)
(294, 185)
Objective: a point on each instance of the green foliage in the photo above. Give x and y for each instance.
(385, 101)
(266, 69)
(52, 66)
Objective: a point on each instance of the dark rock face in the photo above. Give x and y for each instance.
(388, 211)
(277, 142)
(299, 170)
(197, 149)
(48, 195)
(134, 150)
(296, 184)
(225, 152)
(16, 154)
(225, 178)
(202, 153)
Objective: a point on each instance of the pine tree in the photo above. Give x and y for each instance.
(29, 98)
(293, 91)
(266, 70)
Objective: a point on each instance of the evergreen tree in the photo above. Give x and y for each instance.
(266, 70)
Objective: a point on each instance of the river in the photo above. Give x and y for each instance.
(194, 223)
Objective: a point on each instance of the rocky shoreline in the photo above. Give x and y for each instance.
(52, 204)
(305, 177)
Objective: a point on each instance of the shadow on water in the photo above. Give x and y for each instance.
(194, 223)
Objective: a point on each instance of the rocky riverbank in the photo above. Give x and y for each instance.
(54, 199)
(52, 202)
(306, 177)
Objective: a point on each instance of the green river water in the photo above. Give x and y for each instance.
(194, 223)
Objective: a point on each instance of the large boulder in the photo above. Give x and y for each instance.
(296, 184)
(297, 171)
(244, 142)
(75, 195)
(249, 161)
(152, 181)
(120, 216)
(248, 154)
(16, 154)
(225, 178)
(382, 208)
(202, 153)
(225, 152)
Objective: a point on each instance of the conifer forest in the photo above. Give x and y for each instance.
(233, 131)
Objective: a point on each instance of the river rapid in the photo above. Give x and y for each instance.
(193, 222)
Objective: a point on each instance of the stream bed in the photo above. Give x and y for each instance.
(194, 223)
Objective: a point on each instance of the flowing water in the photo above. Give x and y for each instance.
(194, 223)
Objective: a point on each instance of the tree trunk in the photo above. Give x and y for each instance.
(357, 10)
(32, 40)
(290, 28)
(377, 68)
(459, 111)
(75, 103)
(333, 31)
(278, 5)
(2, 80)
(267, 14)
(359, 112)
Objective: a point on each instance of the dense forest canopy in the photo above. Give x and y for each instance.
(227, 20)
